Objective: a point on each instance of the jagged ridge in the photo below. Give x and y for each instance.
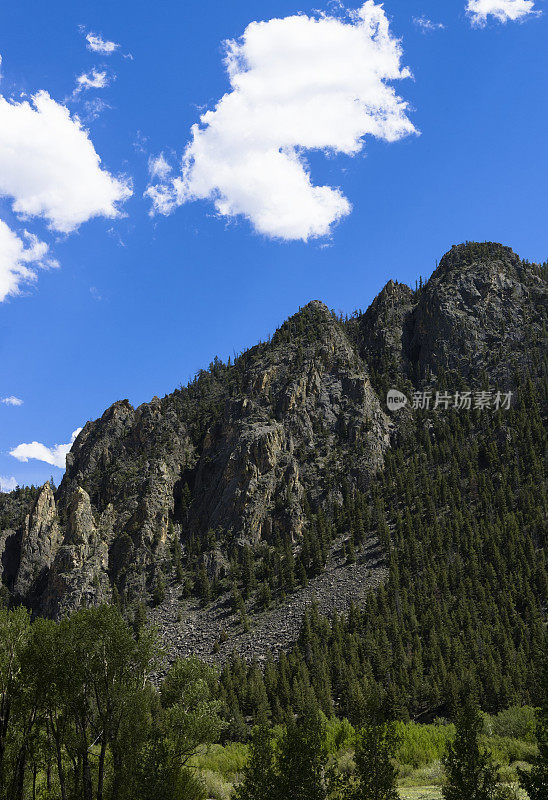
(247, 453)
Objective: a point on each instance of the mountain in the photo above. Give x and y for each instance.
(230, 505)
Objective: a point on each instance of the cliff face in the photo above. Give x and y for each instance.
(245, 454)
(481, 312)
(40, 540)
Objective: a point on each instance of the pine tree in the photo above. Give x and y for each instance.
(302, 759)
(265, 596)
(159, 592)
(259, 780)
(203, 585)
(535, 782)
(375, 749)
(470, 772)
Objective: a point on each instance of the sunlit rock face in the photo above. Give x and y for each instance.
(244, 454)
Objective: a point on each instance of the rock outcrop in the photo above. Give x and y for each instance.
(480, 312)
(79, 572)
(41, 538)
(244, 454)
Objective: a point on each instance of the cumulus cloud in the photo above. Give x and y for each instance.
(49, 166)
(56, 455)
(426, 25)
(298, 83)
(97, 44)
(11, 401)
(502, 10)
(96, 79)
(16, 265)
(7, 484)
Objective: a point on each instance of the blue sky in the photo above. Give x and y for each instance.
(139, 303)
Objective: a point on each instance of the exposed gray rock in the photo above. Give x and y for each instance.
(243, 453)
(40, 541)
(78, 575)
(480, 313)
(215, 632)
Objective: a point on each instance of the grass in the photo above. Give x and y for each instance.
(507, 735)
(433, 793)
(420, 793)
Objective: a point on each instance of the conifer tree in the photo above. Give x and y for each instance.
(302, 759)
(470, 772)
(259, 779)
(375, 750)
(535, 782)
(203, 585)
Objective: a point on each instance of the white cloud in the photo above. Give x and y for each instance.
(426, 25)
(56, 455)
(297, 83)
(15, 264)
(94, 108)
(92, 80)
(49, 166)
(11, 400)
(7, 484)
(97, 44)
(158, 167)
(502, 10)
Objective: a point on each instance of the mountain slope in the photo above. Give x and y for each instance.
(231, 503)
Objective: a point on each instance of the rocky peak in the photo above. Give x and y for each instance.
(382, 328)
(481, 313)
(78, 575)
(41, 538)
(470, 254)
(247, 452)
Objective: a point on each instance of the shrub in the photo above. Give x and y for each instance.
(515, 723)
(422, 744)
(217, 788)
(506, 750)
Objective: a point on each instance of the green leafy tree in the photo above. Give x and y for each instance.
(14, 634)
(116, 670)
(186, 717)
(190, 710)
(159, 775)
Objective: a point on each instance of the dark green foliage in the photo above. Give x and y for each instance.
(265, 596)
(80, 716)
(259, 777)
(159, 775)
(302, 758)
(461, 510)
(375, 750)
(159, 593)
(470, 772)
(203, 586)
(14, 506)
(535, 782)
(139, 619)
(294, 769)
